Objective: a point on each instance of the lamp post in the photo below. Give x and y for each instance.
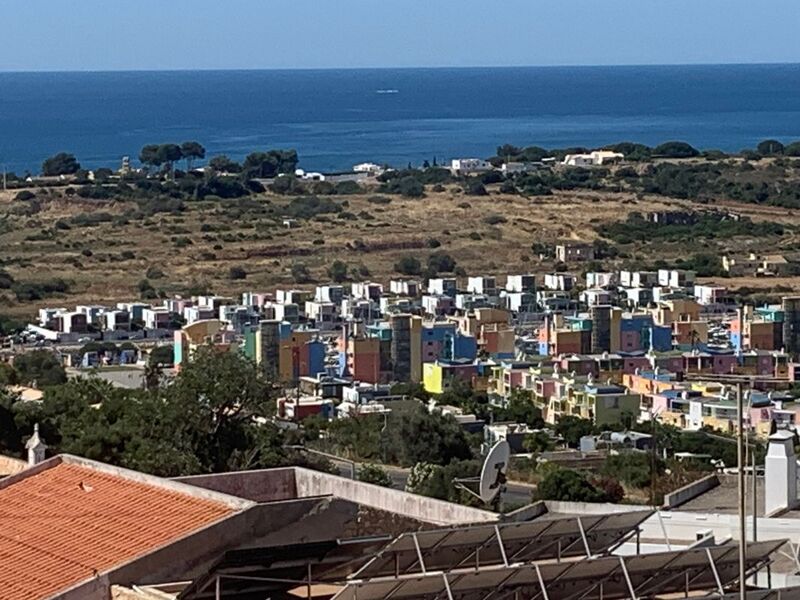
(740, 477)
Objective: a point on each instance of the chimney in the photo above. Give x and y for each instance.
(780, 481)
(35, 447)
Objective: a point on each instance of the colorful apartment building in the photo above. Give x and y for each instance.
(283, 352)
(211, 333)
(439, 376)
(758, 328)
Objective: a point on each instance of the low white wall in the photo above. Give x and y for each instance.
(690, 491)
(429, 510)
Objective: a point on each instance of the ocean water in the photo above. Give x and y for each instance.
(336, 118)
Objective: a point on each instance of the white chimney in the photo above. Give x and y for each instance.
(780, 466)
(35, 447)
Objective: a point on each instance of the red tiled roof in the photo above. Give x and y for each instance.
(70, 522)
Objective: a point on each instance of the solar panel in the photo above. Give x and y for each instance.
(609, 577)
(502, 543)
(274, 568)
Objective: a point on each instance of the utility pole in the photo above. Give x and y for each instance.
(740, 476)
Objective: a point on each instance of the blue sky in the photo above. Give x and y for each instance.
(248, 34)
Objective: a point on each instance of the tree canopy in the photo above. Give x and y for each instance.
(39, 367)
(675, 150)
(265, 165)
(62, 163)
(770, 148)
(209, 418)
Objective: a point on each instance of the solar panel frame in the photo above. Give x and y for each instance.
(481, 545)
(650, 575)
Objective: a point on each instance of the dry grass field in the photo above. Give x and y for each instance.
(196, 248)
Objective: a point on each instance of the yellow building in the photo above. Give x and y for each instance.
(437, 377)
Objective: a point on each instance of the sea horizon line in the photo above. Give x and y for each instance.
(392, 68)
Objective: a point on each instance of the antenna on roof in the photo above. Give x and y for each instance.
(492, 481)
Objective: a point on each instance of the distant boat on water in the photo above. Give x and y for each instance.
(387, 91)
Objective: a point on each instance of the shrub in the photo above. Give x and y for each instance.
(6, 280)
(29, 291)
(474, 187)
(374, 474)
(154, 272)
(568, 486)
(408, 265)
(348, 188)
(307, 207)
(24, 196)
(338, 271)
(300, 273)
(491, 177)
(236, 273)
(494, 219)
(441, 263)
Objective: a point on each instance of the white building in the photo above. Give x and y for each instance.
(710, 294)
(366, 290)
(397, 305)
(442, 286)
(193, 314)
(48, 315)
(469, 165)
(519, 167)
(482, 285)
(405, 287)
(155, 318)
(520, 302)
(472, 301)
(521, 283)
(297, 297)
(438, 305)
(322, 313)
(596, 297)
(593, 159)
(600, 280)
(329, 293)
(676, 278)
(116, 319)
(369, 168)
(559, 281)
(93, 312)
(635, 279)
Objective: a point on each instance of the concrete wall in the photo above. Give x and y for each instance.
(589, 508)
(527, 513)
(314, 483)
(690, 491)
(264, 485)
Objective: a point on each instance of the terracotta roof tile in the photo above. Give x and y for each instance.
(70, 522)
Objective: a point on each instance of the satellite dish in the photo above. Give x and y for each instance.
(493, 473)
